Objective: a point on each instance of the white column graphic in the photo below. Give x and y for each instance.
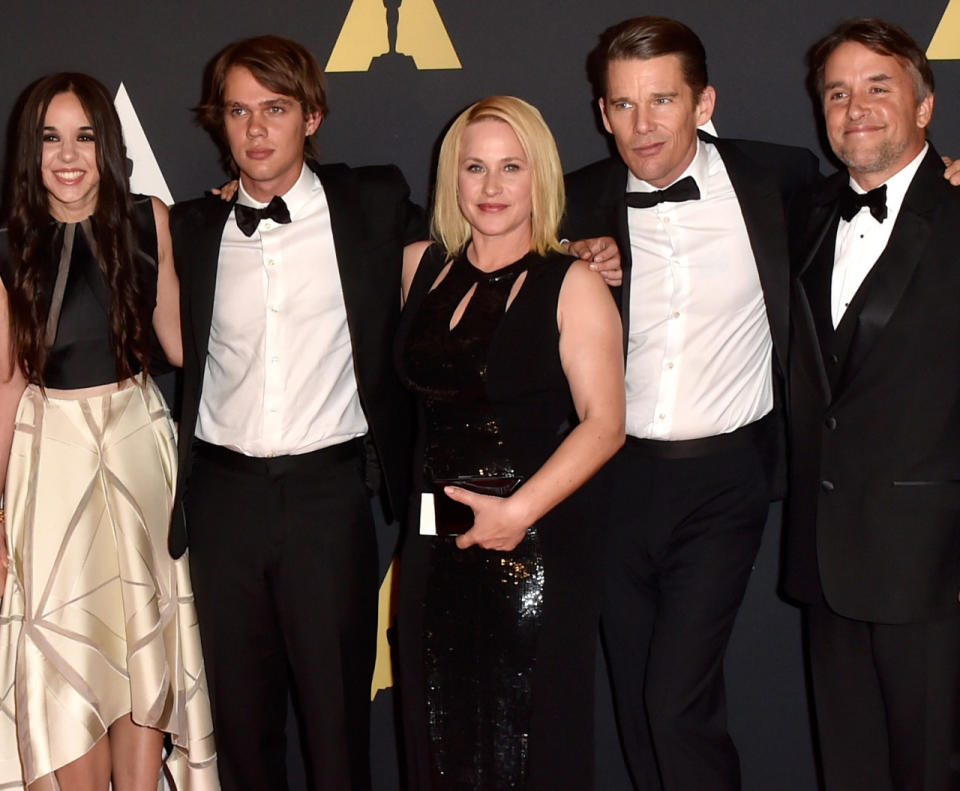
(146, 177)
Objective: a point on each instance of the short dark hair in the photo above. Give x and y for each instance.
(277, 63)
(878, 36)
(648, 37)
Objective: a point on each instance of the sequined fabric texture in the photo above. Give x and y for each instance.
(479, 667)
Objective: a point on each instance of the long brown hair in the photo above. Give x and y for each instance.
(29, 225)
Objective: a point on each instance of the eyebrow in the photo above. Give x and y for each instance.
(262, 103)
(881, 77)
(79, 128)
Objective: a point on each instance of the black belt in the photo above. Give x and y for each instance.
(744, 437)
(278, 465)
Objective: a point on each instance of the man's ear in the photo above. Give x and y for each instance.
(705, 104)
(603, 114)
(313, 122)
(925, 111)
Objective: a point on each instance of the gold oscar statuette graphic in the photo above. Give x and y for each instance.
(945, 44)
(393, 28)
(383, 669)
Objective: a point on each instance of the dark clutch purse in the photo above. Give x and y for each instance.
(453, 518)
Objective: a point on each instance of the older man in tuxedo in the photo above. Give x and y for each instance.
(873, 547)
(292, 415)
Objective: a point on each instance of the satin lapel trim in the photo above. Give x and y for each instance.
(891, 274)
(811, 352)
(204, 260)
(626, 262)
(345, 212)
(761, 205)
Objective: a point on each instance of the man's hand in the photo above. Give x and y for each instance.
(952, 173)
(227, 191)
(602, 254)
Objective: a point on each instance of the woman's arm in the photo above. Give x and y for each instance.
(166, 315)
(12, 384)
(591, 353)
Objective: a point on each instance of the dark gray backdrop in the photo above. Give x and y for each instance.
(394, 113)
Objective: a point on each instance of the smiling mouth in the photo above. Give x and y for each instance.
(69, 176)
(259, 153)
(492, 207)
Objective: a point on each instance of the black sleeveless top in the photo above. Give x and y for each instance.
(492, 395)
(82, 351)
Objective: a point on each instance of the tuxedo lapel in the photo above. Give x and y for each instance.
(812, 287)
(761, 204)
(610, 211)
(202, 269)
(884, 287)
(345, 215)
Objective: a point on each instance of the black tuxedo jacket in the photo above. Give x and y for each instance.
(765, 178)
(372, 218)
(874, 504)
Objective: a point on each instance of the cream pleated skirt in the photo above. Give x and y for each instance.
(97, 621)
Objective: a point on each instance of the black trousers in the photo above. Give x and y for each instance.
(284, 565)
(684, 535)
(887, 699)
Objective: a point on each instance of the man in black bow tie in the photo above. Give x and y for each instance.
(292, 416)
(701, 228)
(873, 540)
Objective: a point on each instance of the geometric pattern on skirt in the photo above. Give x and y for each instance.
(97, 620)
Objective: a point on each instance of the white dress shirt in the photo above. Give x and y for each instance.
(699, 348)
(861, 240)
(279, 375)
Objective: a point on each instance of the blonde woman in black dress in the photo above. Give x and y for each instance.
(513, 350)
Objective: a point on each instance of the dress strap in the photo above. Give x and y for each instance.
(63, 272)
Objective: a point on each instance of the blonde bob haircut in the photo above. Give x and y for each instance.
(449, 226)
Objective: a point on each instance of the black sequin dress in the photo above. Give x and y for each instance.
(497, 649)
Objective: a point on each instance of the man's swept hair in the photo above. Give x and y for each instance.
(648, 37)
(879, 36)
(279, 64)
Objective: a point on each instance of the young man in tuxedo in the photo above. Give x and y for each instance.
(873, 513)
(292, 416)
(701, 228)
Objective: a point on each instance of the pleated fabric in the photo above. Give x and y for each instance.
(97, 620)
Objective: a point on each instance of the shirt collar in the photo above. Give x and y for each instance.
(698, 168)
(295, 198)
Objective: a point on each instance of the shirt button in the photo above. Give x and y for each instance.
(669, 366)
(676, 314)
(274, 360)
(661, 416)
(831, 423)
(827, 486)
(271, 262)
(274, 309)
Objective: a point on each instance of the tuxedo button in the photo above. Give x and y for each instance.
(827, 486)
(831, 423)
(834, 359)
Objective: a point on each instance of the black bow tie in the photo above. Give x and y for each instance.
(248, 218)
(685, 189)
(876, 200)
